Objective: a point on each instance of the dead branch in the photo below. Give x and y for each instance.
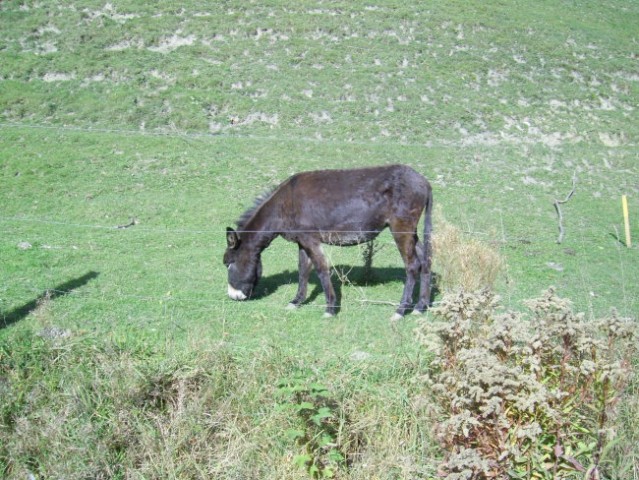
(558, 204)
(376, 302)
(132, 223)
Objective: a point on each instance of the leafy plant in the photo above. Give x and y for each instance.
(524, 399)
(317, 426)
(368, 252)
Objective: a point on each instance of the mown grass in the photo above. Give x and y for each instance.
(178, 115)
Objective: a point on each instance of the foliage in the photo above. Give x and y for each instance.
(520, 398)
(317, 428)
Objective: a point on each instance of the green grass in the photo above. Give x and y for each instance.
(179, 114)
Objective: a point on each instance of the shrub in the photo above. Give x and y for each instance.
(519, 398)
(463, 262)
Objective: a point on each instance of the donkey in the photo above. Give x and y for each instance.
(335, 207)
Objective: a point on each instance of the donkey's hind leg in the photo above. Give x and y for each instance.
(305, 266)
(406, 243)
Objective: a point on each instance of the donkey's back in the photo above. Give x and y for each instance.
(347, 207)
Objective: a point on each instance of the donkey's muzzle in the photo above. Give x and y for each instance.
(236, 294)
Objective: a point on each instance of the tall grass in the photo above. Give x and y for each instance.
(93, 408)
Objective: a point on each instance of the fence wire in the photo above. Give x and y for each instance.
(217, 239)
(230, 136)
(219, 231)
(216, 233)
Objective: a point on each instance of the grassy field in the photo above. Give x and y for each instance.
(120, 354)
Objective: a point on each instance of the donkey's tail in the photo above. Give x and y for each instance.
(428, 228)
(427, 254)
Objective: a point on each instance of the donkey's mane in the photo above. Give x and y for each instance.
(257, 204)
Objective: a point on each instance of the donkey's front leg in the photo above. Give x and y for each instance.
(314, 251)
(305, 266)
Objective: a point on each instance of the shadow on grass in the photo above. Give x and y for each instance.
(58, 291)
(357, 276)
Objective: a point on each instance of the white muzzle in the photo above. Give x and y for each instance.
(236, 294)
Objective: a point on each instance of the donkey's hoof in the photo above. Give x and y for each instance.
(291, 306)
(396, 317)
(418, 312)
(328, 315)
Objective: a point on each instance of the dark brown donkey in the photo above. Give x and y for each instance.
(337, 207)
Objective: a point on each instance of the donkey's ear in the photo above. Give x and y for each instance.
(232, 238)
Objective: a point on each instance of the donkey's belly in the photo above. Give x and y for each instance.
(348, 238)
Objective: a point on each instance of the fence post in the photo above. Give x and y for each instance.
(626, 220)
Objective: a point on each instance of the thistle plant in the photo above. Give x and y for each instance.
(519, 397)
(317, 426)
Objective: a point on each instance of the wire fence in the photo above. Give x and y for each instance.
(215, 234)
(612, 235)
(175, 133)
(217, 239)
(232, 134)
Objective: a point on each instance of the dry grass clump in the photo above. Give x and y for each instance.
(462, 261)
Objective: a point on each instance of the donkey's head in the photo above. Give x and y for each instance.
(244, 265)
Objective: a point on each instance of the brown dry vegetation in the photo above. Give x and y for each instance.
(461, 261)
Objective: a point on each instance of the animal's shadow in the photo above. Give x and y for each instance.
(341, 275)
(60, 290)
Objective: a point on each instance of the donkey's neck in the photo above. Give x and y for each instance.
(261, 224)
(261, 229)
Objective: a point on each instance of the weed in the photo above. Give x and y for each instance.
(318, 426)
(524, 399)
(369, 250)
